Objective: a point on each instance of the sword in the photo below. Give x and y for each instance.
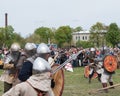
(67, 61)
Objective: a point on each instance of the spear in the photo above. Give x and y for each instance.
(101, 89)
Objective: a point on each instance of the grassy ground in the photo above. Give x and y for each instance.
(1, 85)
(77, 85)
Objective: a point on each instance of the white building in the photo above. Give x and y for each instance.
(81, 35)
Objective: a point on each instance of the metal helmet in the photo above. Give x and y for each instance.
(15, 47)
(43, 48)
(33, 44)
(30, 46)
(41, 65)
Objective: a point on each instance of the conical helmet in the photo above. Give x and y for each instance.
(30, 46)
(15, 47)
(43, 48)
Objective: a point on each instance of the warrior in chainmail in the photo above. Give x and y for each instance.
(10, 70)
(38, 84)
(26, 70)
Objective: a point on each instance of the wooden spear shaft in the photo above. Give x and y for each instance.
(94, 91)
(115, 85)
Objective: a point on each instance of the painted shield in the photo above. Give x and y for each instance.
(87, 72)
(58, 78)
(110, 63)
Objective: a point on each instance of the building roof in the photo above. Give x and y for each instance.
(79, 32)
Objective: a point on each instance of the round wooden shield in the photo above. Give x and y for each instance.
(58, 78)
(87, 72)
(110, 63)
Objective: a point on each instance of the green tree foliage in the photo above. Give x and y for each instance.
(2, 31)
(84, 44)
(7, 37)
(9, 32)
(113, 34)
(79, 28)
(34, 38)
(97, 34)
(53, 40)
(44, 33)
(17, 38)
(63, 34)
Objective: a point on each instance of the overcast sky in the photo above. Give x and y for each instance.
(27, 15)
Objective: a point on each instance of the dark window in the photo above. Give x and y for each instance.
(76, 37)
(83, 37)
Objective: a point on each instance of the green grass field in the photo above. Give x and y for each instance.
(1, 85)
(77, 85)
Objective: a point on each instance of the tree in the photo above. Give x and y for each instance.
(84, 44)
(44, 33)
(35, 38)
(113, 34)
(2, 30)
(8, 36)
(63, 34)
(97, 34)
(79, 28)
(17, 38)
